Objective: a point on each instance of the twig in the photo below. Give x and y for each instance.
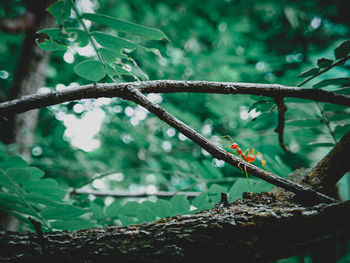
(282, 108)
(342, 61)
(136, 96)
(132, 194)
(326, 122)
(95, 90)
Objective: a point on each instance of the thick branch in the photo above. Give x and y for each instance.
(332, 167)
(168, 86)
(243, 232)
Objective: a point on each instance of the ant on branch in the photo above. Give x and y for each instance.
(247, 156)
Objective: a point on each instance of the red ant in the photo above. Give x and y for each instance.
(249, 157)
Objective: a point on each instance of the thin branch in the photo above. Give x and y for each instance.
(132, 194)
(95, 90)
(326, 122)
(282, 108)
(136, 96)
(340, 62)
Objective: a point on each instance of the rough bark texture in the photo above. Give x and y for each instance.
(257, 229)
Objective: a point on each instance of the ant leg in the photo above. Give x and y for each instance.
(246, 173)
(227, 136)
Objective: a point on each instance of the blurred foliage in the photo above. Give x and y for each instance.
(230, 40)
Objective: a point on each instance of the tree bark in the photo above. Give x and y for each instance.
(256, 229)
(29, 76)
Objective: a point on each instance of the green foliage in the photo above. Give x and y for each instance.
(212, 41)
(110, 55)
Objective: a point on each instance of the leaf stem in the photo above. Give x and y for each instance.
(342, 61)
(15, 189)
(87, 31)
(326, 122)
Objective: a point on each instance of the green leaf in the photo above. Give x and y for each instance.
(324, 62)
(342, 50)
(212, 170)
(261, 186)
(309, 73)
(126, 220)
(215, 192)
(15, 161)
(49, 45)
(57, 34)
(4, 180)
(113, 209)
(53, 33)
(114, 43)
(97, 210)
(12, 198)
(129, 208)
(36, 173)
(180, 204)
(41, 199)
(238, 188)
(216, 189)
(48, 187)
(127, 27)
(72, 224)
(110, 56)
(19, 175)
(341, 129)
(263, 106)
(164, 208)
(321, 144)
(61, 10)
(91, 69)
(263, 121)
(327, 82)
(63, 212)
(149, 204)
(80, 36)
(201, 201)
(145, 214)
(16, 207)
(116, 70)
(304, 122)
(344, 91)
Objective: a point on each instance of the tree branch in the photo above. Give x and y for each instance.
(242, 231)
(132, 194)
(282, 108)
(168, 86)
(331, 168)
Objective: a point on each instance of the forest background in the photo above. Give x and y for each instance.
(109, 145)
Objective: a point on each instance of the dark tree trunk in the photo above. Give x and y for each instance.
(29, 76)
